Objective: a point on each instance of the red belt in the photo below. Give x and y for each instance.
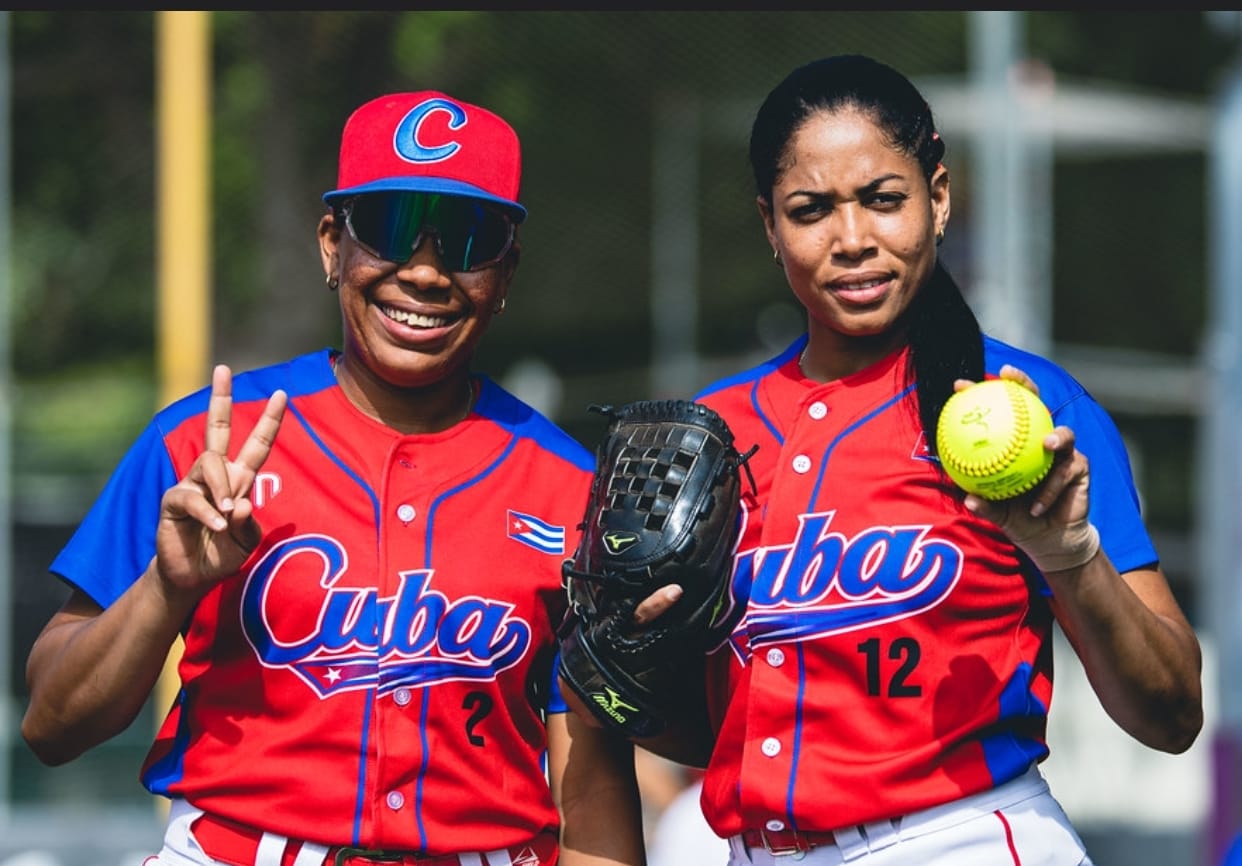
(238, 844)
(786, 841)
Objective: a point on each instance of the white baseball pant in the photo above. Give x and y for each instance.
(1018, 823)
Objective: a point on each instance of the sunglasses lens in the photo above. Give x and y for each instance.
(471, 235)
(468, 234)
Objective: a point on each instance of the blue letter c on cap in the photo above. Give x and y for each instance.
(405, 140)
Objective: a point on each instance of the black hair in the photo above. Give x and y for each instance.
(945, 339)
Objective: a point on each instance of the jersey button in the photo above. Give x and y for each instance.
(395, 800)
(401, 696)
(771, 747)
(802, 464)
(817, 410)
(406, 513)
(775, 825)
(776, 657)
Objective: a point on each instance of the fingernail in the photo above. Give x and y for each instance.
(226, 504)
(1037, 509)
(673, 593)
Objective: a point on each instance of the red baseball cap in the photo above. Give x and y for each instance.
(429, 142)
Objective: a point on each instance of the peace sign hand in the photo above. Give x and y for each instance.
(207, 526)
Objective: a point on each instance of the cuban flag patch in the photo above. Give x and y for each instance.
(921, 451)
(534, 532)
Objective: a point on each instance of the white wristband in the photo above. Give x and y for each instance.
(1062, 548)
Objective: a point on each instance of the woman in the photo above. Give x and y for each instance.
(361, 548)
(884, 699)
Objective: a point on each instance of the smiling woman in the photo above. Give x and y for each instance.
(334, 539)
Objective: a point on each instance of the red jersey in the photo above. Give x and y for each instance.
(895, 651)
(377, 673)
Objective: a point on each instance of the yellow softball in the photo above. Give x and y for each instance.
(990, 439)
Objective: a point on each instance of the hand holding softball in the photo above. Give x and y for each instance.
(1048, 520)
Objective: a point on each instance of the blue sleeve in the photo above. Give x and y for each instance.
(1233, 857)
(1115, 505)
(556, 700)
(116, 540)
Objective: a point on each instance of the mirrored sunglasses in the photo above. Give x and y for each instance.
(469, 235)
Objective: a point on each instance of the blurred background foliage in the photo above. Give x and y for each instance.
(581, 88)
(585, 91)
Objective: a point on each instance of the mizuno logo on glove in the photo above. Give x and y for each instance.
(612, 704)
(618, 542)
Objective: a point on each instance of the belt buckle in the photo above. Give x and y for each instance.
(367, 854)
(798, 846)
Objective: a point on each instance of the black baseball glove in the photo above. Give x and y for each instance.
(663, 509)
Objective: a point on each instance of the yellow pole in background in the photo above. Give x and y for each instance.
(183, 301)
